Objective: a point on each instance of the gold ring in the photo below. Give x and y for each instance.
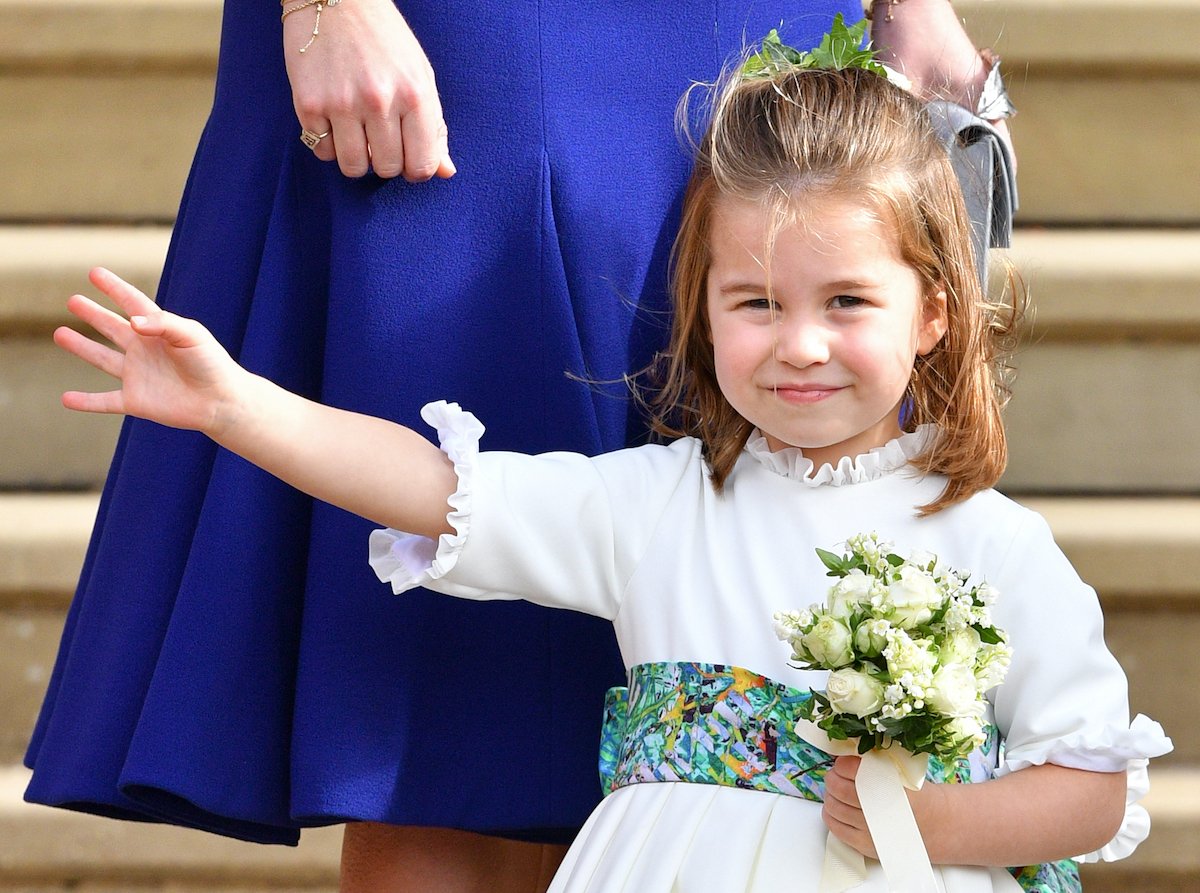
(310, 139)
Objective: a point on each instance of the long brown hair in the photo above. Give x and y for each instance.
(813, 133)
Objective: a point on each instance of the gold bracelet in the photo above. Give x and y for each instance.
(304, 4)
(869, 12)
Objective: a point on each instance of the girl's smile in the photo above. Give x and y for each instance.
(815, 345)
(804, 393)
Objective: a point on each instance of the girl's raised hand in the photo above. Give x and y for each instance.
(171, 369)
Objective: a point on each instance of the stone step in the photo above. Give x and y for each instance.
(40, 266)
(43, 538)
(45, 849)
(1138, 553)
(1105, 418)
(1095, 118)
(1106, 284)
(113, 95)
(46, 445)
(1113, 352)
(1117, 318)
(1085, 284)
(1102, 131)
(1168, 861)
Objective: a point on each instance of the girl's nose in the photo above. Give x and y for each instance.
(802, 343)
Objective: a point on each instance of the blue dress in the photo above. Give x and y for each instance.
(230, 662)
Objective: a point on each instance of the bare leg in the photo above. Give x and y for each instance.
(379, 858)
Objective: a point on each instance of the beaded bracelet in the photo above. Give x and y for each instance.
(304, 4)
(869, 12)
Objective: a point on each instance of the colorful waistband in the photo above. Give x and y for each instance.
(718, 724)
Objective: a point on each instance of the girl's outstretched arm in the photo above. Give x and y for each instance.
(1038, 814)
(174, 372)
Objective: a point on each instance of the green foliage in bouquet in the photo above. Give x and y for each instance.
(910, 647)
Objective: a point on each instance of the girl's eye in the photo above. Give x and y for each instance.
(757, 304)
(845, 302)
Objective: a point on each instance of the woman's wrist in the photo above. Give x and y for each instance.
(926, 41)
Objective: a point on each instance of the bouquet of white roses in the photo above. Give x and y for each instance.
(910, 646)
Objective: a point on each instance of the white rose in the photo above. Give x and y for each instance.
(913, 598)
(962, 647)
(851, 691)
(851, 592)
(954, 691)
(829, 643)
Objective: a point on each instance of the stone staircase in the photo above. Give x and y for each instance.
(111, 95)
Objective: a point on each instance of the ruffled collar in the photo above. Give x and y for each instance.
(791, 463)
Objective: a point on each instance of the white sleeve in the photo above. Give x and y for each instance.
(560, 529)
(1065, 699)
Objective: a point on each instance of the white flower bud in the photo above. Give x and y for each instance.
(926, 561)
(913, 597)
(829, 643)
(968, 727)
(850, 593)
(991, 665)
(907, 658)
(870, 638)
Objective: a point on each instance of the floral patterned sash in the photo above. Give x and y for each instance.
(717, 724)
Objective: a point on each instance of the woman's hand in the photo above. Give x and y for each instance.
(925, 41)
(171, 369)
(366, 81)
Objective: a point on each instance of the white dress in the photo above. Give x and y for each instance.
(685, 574)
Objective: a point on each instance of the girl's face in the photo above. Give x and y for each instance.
(820, 359)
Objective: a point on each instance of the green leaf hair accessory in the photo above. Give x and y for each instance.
(841, 48)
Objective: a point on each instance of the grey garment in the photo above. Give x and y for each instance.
(984, 165)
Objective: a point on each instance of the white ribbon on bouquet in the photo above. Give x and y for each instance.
(882, 779)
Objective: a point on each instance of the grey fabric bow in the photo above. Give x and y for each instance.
(984, 165)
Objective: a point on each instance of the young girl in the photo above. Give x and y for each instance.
(832, 371)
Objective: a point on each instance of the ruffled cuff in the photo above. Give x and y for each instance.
(1106, 750)
(407, 560)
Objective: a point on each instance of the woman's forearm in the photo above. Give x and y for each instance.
(925, 40)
